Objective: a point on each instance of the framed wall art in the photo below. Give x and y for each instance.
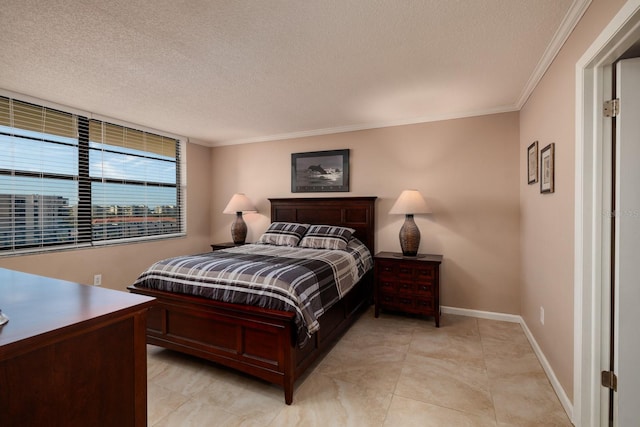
(547, 169)
(320, 171)
(532, 163)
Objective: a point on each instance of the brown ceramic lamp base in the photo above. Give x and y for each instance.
(409, 236)
(239, 229)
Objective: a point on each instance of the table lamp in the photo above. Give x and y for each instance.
(238, 204)
(410, 203)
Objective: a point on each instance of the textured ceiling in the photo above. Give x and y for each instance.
(224, 72)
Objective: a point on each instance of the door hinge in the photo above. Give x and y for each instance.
(612, 107)
(609, 380)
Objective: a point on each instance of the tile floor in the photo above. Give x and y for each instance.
(390, 371)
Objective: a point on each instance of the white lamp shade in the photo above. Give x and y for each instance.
(410, 202)
(239, 203)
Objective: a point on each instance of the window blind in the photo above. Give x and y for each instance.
(134, 176)
(68, 180)
(38, 176)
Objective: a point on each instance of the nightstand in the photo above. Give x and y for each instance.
(407, 284)
(225, 245)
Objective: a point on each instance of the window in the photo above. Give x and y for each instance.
(69, 180)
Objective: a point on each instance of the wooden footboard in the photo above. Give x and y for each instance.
(256, 341)
(262, 342)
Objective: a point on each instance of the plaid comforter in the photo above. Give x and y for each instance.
(305, 281)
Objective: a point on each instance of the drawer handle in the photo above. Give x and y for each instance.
(405, 270)
(405, 301)
(386, 268)
(405, 286)
(424, 288)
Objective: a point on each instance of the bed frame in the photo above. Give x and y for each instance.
(257, 341)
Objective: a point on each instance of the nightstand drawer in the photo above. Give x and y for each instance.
(425, 274)
(406, 303)
(387, 299)
(385, 269)
(395, 302)
(387, 286)
(404, 288)
(405, 271)
(398, 270)
(424, 304)
(423, 289)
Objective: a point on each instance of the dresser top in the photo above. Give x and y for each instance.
(37, 305)
(419, 257)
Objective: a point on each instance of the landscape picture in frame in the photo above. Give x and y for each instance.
(320, 171)
(547, 167)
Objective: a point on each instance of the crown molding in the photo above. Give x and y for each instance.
(367, 126)
(569, 22)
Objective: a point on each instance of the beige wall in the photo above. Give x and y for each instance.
(121, 264)
(467, 169)
(547, 224)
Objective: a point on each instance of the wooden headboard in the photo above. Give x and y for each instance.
(354, 212)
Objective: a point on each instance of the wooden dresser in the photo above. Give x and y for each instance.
(408, 284)
(71, 354)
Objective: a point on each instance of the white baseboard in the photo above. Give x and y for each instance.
(564, 399)
(514, 318)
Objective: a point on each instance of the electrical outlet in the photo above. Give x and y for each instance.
(542, 315)
(97, 279)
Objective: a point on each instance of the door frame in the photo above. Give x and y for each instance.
(592, 232)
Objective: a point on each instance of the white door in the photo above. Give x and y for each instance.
(626, 328)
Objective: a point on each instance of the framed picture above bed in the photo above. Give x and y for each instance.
(320, 171)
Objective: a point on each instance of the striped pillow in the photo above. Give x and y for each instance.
(326, 237)
(283, 234)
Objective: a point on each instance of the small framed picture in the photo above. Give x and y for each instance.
(532, 163)
(547, 168)
(320, 171)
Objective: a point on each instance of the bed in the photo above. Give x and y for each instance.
(265, 342)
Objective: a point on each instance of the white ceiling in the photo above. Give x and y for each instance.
(232, 71)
